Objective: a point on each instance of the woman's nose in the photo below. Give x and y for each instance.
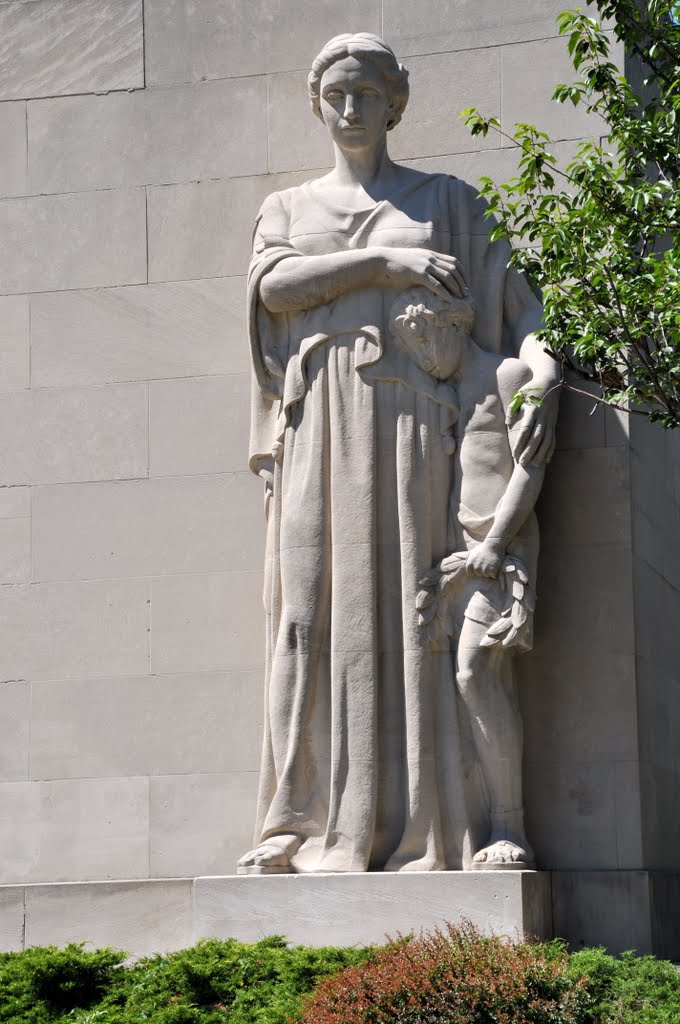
(350, 113)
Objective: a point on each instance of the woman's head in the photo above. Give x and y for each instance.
(357, 53)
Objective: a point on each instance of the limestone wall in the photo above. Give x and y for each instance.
(138, 141)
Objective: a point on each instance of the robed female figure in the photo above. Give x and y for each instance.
(367, 761)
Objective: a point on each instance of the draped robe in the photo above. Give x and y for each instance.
(367, 761)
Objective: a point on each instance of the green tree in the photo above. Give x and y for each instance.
(600, 238)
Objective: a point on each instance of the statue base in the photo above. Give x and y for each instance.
(361, 909)
(618, 909)
(158, 915)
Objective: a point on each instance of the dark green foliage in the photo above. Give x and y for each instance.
(42, 984)
(632, 990)
(212, 982)
(264, 983)
(242, 983)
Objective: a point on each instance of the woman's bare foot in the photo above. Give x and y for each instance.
(265, 859)
(504, 855)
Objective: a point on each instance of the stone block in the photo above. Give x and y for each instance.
(189, 42)
(651, 462)
(586, 499)
(570, 608)
(74, 630)
(498, 164)
(297, 139)
(207, 622)
(11, 918)
(13, 164)
(147, 527)
(570, 814)
(608, 908)
(582, 420)
(530, 73)
(15, 550)
(144, 918)
(83, 240)
(654, 457)
(616, 427)
(630, 826)
(199, 425)
(364, 908)
(64, 434)
(657, 600)
(14, 341)
(435, 26)
(74, 830)
(442, 85)
(15, 712)
(205, 228)
(655, 536)
(658, 725)
(100, 336)
(578, 709)
(15, 502)
(665, 889)
(147, 725)
(211, 130)
(56, 47)
(201, 824)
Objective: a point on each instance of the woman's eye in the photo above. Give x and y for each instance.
(333, 95)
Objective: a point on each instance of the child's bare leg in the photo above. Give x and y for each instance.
(486, 682)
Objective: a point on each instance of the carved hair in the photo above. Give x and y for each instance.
(362, 46)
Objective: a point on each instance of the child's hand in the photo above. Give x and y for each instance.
(486, 559)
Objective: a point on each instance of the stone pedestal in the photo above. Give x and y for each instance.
(164, 914)
(619, 909)
(350, 909)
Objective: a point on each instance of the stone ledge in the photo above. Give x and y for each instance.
(348, 909)
(154, 915)
(618, 909)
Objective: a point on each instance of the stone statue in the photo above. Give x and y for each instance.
(397, 502)
(482, 594)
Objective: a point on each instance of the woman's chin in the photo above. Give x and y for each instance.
(354, 140)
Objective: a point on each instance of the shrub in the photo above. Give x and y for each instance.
(455, 976)
(632, 990)
(218, 981)
(43, 982)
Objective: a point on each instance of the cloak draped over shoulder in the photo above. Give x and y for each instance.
(367, 760)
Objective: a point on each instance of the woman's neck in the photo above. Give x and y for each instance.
(364, 168)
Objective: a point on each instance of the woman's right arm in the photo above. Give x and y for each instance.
(303, 282)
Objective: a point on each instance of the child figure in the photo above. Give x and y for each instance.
(482, 594)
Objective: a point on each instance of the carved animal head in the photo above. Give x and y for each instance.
(432, 330)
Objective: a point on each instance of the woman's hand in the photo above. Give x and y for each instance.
(440, 273)
(533, 429)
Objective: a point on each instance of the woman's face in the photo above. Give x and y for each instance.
(354, 104)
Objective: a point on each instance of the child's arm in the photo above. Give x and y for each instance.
(512, 512)
(521, 493)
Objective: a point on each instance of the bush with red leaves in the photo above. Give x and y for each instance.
(457, 976)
